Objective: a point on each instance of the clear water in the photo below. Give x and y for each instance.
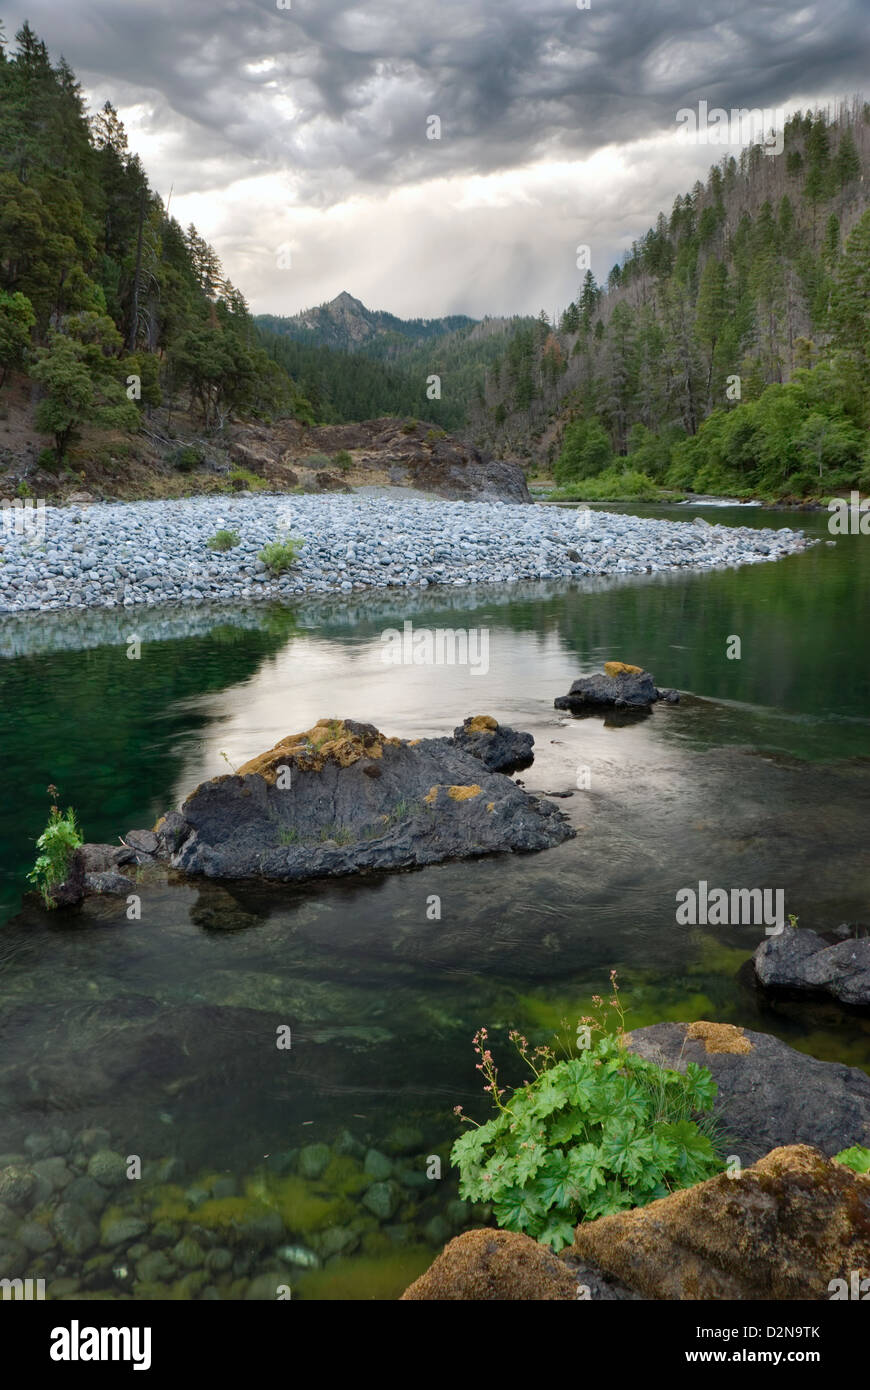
(163, 1030)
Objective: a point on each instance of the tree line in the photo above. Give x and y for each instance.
(728, 351)
(106, 302)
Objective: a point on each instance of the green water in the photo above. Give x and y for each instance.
(163, 1030)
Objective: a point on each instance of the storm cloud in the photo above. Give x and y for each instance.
(308, 125)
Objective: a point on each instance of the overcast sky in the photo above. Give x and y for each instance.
(302, 133)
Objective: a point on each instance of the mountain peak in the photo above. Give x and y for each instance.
(345, 301)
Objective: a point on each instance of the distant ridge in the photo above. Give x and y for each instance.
(347, 324)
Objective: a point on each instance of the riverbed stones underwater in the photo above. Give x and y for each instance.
(85, 1223)
(144, 553)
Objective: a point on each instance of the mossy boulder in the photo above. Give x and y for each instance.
(311, 807)
(16, 1184)
(107, 1167)
(786, 1228)
(493, 1266)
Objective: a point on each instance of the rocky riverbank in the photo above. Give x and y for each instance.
(143, 553)
(784, 1222)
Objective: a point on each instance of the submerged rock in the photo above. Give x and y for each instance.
(620, 687)
(108, 882)
(494, 1266)
(769, 1095)
(786, 1228)
(342, 797)
(802, 960)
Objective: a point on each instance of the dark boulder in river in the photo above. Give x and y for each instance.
(500, 749)
(769, 1094)
(343, 798)
(802, 961)
(620, 687)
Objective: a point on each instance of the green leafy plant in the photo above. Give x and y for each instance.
(57, 844)
(857, 1158)
(343, 460)
(279, 556)
(243, 480)
(599, 1132)
(187, 458)
(224, 540)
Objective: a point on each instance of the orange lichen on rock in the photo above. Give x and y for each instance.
(621, 668)
(719, 1037)
(481, 724)
(329, 740)
(455, 793)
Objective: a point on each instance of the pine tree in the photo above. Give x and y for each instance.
(847, 165)
(850, 298)
(711, 314)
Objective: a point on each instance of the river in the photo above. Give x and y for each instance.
(163, 1030)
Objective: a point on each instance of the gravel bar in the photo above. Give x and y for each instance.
(126, 554)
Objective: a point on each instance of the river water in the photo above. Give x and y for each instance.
(163, 1030)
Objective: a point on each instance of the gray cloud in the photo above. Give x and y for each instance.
(510, 79)
(333, 97)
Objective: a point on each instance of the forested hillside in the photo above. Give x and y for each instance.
(730, 349)
(106, 303)
(728, 352)
(355, 363)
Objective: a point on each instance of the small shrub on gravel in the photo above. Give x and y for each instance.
(224, 540)
(242, 480)
(279, 556)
